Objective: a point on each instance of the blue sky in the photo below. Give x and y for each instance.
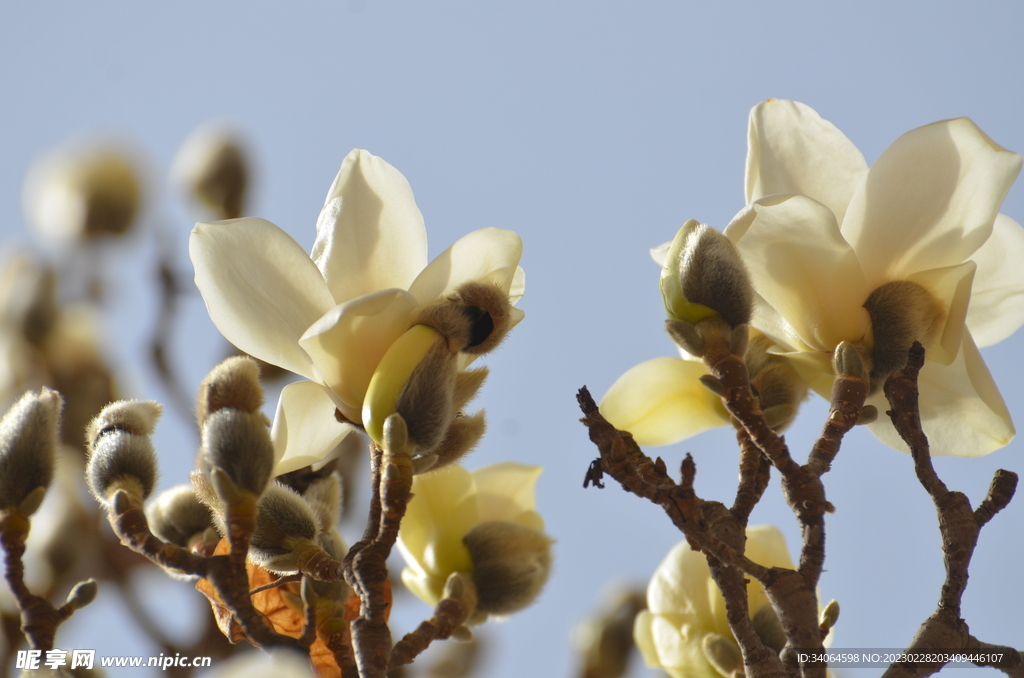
(594, 130)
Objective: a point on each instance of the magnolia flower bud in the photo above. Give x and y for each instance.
(121, 455)
(704, 276)
(28, 443)
(778, 385)
(902, 312)
(723, 654)
(211, 166)
(284, 519)
(83, 193)
(511, 564)
(233, 383)
(324, 496)
(829, 615)
(238, 443)
(474, 320)
(176, 516)
(82, 594)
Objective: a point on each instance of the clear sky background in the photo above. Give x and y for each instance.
(594, 129)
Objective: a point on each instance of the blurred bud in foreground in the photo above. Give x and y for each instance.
(703, 276)
(482, 524)
(605, 640)
(685, 631)
(82, 192)
(177, 516)
(28, 442)
(121, 455)
(212, 168)
(235, 433)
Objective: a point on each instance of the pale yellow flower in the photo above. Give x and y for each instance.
(684, 606)
(823, 232)
(330, 316)
(446, 506)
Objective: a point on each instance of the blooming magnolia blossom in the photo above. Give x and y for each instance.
(446, 505)
(330, 316)
(684, 605)
(822, 231)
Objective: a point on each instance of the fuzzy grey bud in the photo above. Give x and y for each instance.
(704, 276)
(238, 443)
(28, 446)
(473, 320)
(121, 455)
(233, 383)
(511, 564)
(177, 515)
(284, 519)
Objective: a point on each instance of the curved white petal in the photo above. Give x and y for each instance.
(792, 149)
(505, 491)
(962, 412)
(929, 201)
(305, 430)
(679, 586)
(489, 254)
(951, 286)
(660, 253)
(347, 343)
(518, 288)
(261, 289)
(370, 235)
(803, 268)
(997, 302)
(662, 401)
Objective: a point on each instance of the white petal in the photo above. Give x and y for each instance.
(504, 491)
(347, 343)
(660, 253)
(962, 412)
(489, 254)
(370, 234)
(997, 302)
(662, 401)
(261, 289)
(518, 288)
(305, 430)
(678, 586)
(929, 201)
(951, 286)
(801, 265)
(791, 149)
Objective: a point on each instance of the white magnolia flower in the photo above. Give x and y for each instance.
(685, 607)
(447, 506)
(330, 316)
(822, 232)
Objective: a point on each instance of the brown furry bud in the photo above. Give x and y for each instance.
(779, 387)
(28, 445)
(902, 312)
(704, 275)
(474, 320)
(511, 564)
(427, 400)
(121, 455)
(176, 516)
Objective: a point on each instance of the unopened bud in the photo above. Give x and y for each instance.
(769, 628)
(704, 276)
(80, 194)
(427, 401)
(867, 415)
(284, 518)
(28, 447)
(211, 166)
(463, 435)
(511, 564)
(723, 654)
(177, 516)
(324, 496)
(829, 615)
(121, 455)
(847, 361)
(779, 387)
(686, 337)
(233, 383)
(902, 312)
(82, 594)
(238, 443)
